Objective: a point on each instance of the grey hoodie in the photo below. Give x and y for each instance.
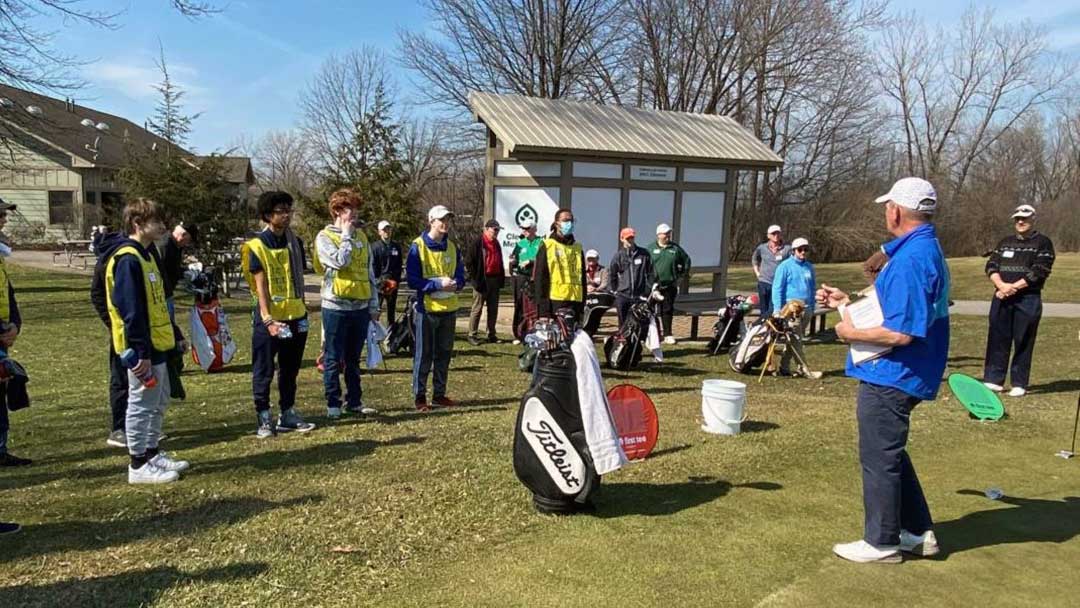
(334, 258)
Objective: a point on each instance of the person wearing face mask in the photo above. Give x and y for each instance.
(559, 270)
(140, 324)
(350, 301)
(435, 271)
(630, 273)
(10, 326)
(1018, 267)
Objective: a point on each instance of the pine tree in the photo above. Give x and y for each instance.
(169, 121)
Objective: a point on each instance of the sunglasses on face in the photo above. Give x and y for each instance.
(1021, 220)
(802, 249)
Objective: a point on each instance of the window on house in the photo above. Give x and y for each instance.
(61, 207)
(91, 197)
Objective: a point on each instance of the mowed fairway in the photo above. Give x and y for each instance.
(424, 510)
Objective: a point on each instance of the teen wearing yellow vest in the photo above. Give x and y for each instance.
(139, 319)
(350, 301)
(9, 315)
(559, 269)
(273, 264)
(434, 270)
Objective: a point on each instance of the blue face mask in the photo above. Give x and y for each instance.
(566, 228)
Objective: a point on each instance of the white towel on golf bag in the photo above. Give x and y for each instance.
(600, 433)
(653, 341)
(376, 333)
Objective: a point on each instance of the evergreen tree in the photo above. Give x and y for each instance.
(169, 121)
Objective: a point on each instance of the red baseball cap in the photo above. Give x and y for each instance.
(627, 232)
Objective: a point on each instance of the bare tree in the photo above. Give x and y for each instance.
(169, 121)
(955, 93)
(540, 48)
(283, 161)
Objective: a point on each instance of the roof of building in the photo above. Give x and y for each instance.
(60, 125)
(534, 124)
(237, 169)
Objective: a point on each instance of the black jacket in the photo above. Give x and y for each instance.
(387, 259)
(542, 281)
(172, 265)
(1016, 257)
(630, 273)
(475, 265)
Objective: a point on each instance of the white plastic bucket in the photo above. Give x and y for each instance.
(722, 404)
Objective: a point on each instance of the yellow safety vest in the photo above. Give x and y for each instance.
(351, 282)
(161, 330)
(285, 303)
(564, 268)
(5, 303)
(438, 264)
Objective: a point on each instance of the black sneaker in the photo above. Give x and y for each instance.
(9, 527)
(493, 339)
(11, 460)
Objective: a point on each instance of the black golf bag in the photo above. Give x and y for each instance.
(400, 338)
(551, 455)
(622, 350)
(597, 304)
(729, 325)
(753, 348)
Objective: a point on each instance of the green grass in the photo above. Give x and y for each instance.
(969, 282)
(425, 509)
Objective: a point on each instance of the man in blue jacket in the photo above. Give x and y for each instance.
(434, 270)
(913, 290)
(795, 280)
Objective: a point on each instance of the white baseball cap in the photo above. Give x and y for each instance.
(1024, 211)
(912, 193)
(772, 229)
(592, 253)
(383, 225)
(800, 242)
(663, 229)
(438, 212)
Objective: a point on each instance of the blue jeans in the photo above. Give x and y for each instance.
(892, 496)
(344, 332)
(764, 294)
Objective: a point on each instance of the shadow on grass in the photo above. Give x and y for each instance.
(16, 481)
(757, 426)
(319, 455)
(1058, 386)
(43, 539)
(1033, 520)
(621, 499)
(134, 588)
(477, 406)
(672, 450)
(52, 289)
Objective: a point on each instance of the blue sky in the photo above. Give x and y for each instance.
(244, 68)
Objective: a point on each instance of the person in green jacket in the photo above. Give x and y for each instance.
(670, 263)
(521, 269)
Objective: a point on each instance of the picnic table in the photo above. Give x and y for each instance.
(72, 250)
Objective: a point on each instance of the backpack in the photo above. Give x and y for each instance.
(623, 349)
(753, 348)
(399, 338)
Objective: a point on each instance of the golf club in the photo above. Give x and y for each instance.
(1069, 453)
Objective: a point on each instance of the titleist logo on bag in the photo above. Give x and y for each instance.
(552, 447)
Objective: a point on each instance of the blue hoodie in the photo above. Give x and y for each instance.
(794, 280)
(414, 270)
(129, 295)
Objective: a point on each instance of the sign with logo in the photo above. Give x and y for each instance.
(552, 447)
(654, 174)
(514, 205)
(635, 420)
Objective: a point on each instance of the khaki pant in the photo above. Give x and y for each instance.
(795, 346)
(480, 300)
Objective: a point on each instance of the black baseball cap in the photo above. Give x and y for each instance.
(492, 224)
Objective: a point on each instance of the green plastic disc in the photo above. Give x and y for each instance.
(982, 402)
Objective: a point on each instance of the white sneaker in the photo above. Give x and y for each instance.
(670, 340)
(162, 461)
(368, 411)
(862, 552)
(997, 388)
(151, 473)
(1017, 391)
(924, 544)
(516, 342)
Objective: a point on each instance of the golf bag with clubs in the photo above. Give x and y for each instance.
(729, 327)
(212, 345)
(551, 455)
(597, 304)
(623, 349)
(400, 337)
(759, 342)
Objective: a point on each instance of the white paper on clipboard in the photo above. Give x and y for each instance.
(865, 313)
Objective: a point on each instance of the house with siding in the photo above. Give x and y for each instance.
(59, 163)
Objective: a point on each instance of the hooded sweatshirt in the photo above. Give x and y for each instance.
(129, 296)
(414, 269)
